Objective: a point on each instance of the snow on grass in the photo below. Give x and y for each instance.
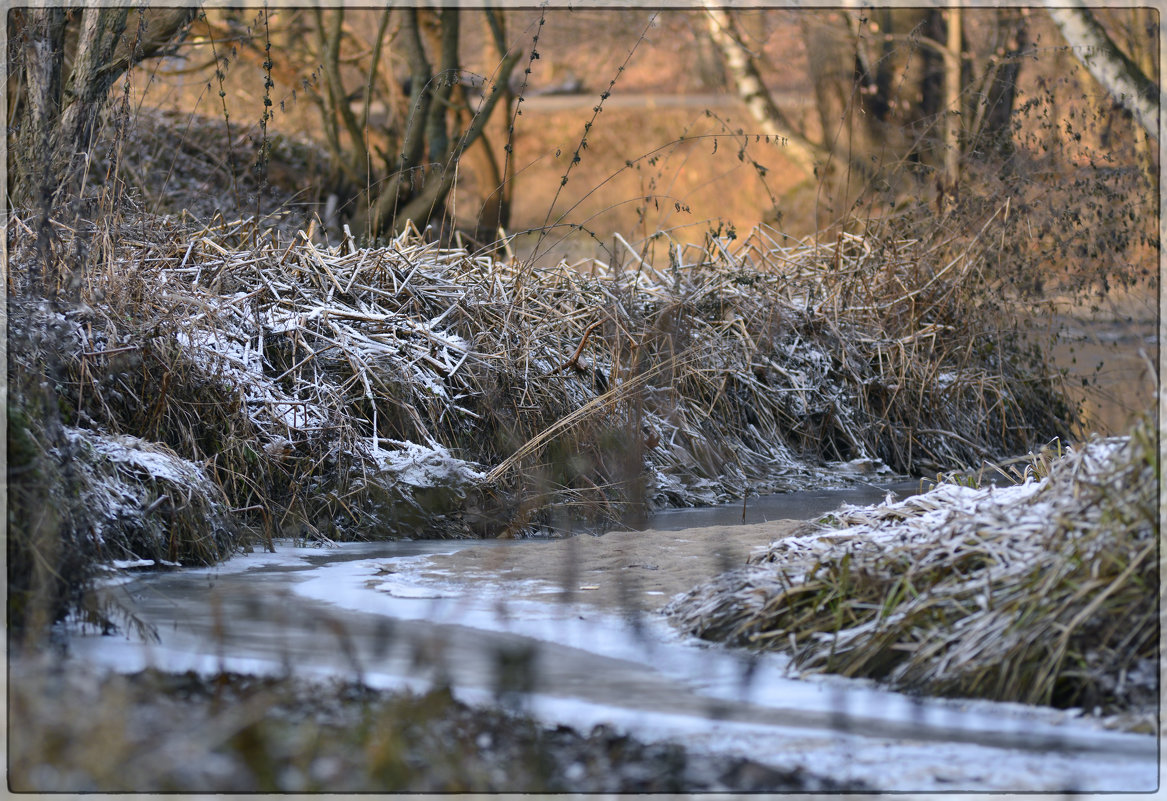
(707, 378)
(425, 466)
(1040, 592)
(152, 460)
(139, 503)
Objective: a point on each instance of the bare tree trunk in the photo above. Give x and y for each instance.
(101, 30)
(55, 119)
(413, 146)
(42, 57)
(329, 35)
(499, 190)
(992, 128)
(437, 132)
(952, 101)
(439, 182)
(430, 119)
(753, 92)
(418, 189)
(1120, 76)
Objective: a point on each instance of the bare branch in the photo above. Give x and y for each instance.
(164, 31)
(439, 182)
(413, 143)
(374, 67)
(330, 38)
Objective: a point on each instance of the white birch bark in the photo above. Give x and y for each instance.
(952, 101)
(753, 92)
(1120, 76)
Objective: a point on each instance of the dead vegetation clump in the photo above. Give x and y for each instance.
(1040, 592)
(79, 498)
(410, 390)
(341, 391)
(157, 507)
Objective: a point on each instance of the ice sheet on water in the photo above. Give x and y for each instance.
(130, 564)
(416, 593)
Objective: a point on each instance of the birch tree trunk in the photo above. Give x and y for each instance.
(753, 92)
(1118, 74)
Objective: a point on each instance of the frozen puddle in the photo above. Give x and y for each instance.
(340, 612)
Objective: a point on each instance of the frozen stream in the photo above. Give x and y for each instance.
(341, 612)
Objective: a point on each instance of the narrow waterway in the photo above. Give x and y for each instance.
(379, 612)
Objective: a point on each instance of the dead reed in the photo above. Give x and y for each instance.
(1041, 592)
(340, 390)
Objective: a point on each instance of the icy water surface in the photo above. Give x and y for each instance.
(365, 610)
(802, 505)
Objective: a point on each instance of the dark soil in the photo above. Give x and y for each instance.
(165, 732)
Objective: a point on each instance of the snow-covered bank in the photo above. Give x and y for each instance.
(1044, 591)
(326, 368)
(341, 391)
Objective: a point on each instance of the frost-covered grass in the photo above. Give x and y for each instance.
(144, 502)
(341, 390)
(95, 500)
(1043, 592)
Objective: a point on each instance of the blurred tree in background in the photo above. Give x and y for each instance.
(62, 64)
(396, 106)
(936, 111)
(918, 110)
(427, 118)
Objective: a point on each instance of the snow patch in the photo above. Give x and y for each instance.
(424, 466)
(153, 459)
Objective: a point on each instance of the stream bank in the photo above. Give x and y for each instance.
(244, 734)
(336, 392)
(424, 614)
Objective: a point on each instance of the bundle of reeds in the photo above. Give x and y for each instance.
(410, 389)
(1042, 592)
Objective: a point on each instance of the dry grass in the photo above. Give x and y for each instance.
(153, 732)
(1042, 592)
(729, 371)
(410, 390)
(725, 369)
